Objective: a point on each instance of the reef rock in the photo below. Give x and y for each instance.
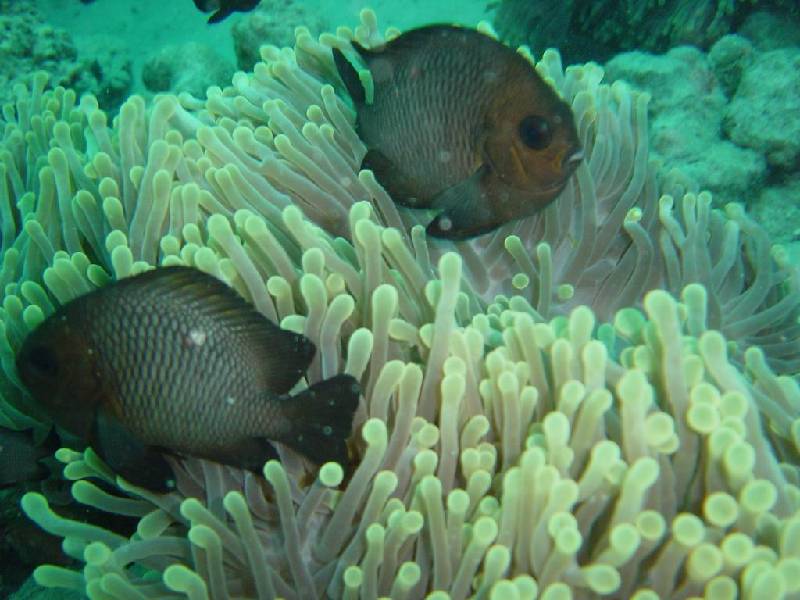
(190, 67)
(28, 44)
(763, 114)
(270, 23)
(687, 105)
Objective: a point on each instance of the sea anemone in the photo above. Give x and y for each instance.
(576, 405)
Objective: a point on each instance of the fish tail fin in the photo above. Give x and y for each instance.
(349, 76)
(322, 419)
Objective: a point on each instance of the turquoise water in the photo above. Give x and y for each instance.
(146, 27)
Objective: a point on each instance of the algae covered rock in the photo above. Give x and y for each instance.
(270, 23)
(687, 106)
(763, 113)
(190, 67)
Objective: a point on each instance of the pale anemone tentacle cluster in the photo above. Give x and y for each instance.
(508, 445)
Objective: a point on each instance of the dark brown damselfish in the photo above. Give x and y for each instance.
(173, 360)
(461, 123)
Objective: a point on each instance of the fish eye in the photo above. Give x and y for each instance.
(43, 361)
(535, 132)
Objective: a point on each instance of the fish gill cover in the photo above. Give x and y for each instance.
(594, 401)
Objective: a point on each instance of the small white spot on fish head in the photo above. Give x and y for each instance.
(230, 400)
(444, 156)
(197, 337)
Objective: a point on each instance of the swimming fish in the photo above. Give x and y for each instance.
(224, 8)
(174, 361)
(461, 123)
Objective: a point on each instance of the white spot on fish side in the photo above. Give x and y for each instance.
(327, 430)
(444, 156)
(197, 337)
(230, 400)
(445, 224)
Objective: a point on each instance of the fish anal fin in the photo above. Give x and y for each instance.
(129, 458)
(248, 453)
(321, 419)
(467, 208)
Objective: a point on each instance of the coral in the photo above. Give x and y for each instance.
(778, 208)
(729, 57)
(534, 421)
(686, 112)
(596, 30)
(272, 23)
(760, 116)
(28, 44)
(771, 30)
(190, 67)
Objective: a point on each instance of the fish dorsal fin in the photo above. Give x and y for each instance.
(286, 355)
(427, 36)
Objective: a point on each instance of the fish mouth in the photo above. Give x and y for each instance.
(568, 166)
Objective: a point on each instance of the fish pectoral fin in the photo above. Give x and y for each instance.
(128, 457)
(466, 207)
(321, 419)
